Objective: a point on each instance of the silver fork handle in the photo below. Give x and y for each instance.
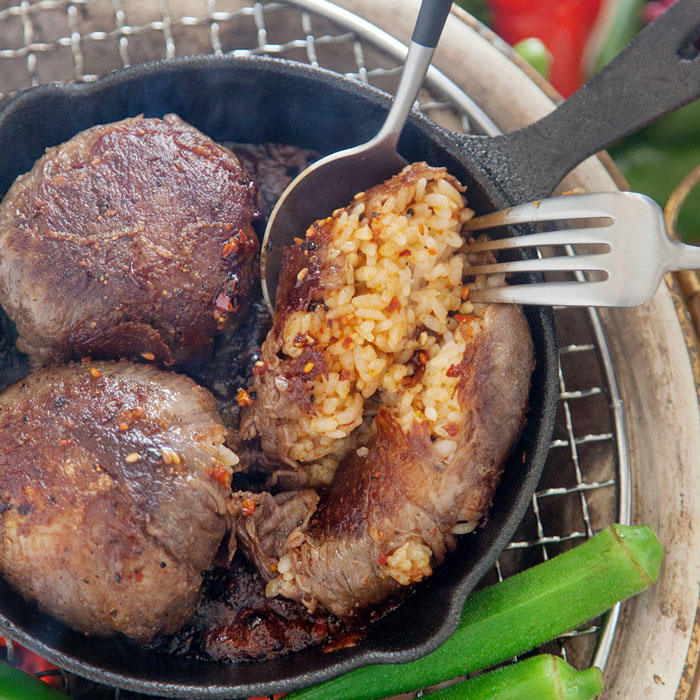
(683, 256)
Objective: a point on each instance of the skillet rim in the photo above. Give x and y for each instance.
(540, 319)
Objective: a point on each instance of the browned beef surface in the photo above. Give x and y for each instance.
(130, 238)
(96, 524)
(235, 621)
(402, 491)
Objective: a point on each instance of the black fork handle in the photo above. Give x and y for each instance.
(658, 72)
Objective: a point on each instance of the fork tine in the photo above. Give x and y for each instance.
(558, 263)
(546, 293)
(575, 236)
(589, 205)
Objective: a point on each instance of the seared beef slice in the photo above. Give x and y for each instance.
(114, 495)
(134, 237)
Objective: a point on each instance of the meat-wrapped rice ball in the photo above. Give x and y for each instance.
(380, 378)
(114, 495)
(131, 239)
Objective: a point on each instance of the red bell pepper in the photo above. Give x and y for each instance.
(562, 25)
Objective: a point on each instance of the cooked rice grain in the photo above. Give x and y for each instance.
(390, 326)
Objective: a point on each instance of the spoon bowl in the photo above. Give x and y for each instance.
(333, 181)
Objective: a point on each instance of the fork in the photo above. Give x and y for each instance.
(633, 251)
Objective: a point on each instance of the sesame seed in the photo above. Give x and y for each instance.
(133, 457)
(95, 372)
(302, 273)
(148, 356)
(308, 367)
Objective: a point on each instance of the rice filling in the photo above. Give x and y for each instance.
(394, 322)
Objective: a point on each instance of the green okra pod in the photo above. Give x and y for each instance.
(18, 685)
(543, 677)
(517, 614)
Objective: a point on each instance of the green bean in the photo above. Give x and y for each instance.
(517, 614)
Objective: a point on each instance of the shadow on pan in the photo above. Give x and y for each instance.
(258, 100)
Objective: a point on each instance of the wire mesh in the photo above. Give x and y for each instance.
(585, 479)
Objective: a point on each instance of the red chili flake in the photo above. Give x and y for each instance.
(320, 629)
(123, 426)
(462, 318)
(243, 398)
(381, 559)
(404, 252)
(422, 358)
(432, 251)
(65, 442)
(231, 246)
(465, 293)
(220, 317)
(347, 341)
(220, 473)
(248, 506)
(394, 305)
(138, 575)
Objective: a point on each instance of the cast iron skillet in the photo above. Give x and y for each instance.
(262, 99)
(258, 100)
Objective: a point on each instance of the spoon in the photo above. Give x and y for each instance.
(334, 180)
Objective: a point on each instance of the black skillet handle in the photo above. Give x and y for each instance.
(658, 72)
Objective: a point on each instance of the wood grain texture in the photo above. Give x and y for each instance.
(652, 348)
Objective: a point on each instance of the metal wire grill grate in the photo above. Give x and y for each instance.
(585, 480)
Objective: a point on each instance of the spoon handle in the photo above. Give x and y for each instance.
(431, 19)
